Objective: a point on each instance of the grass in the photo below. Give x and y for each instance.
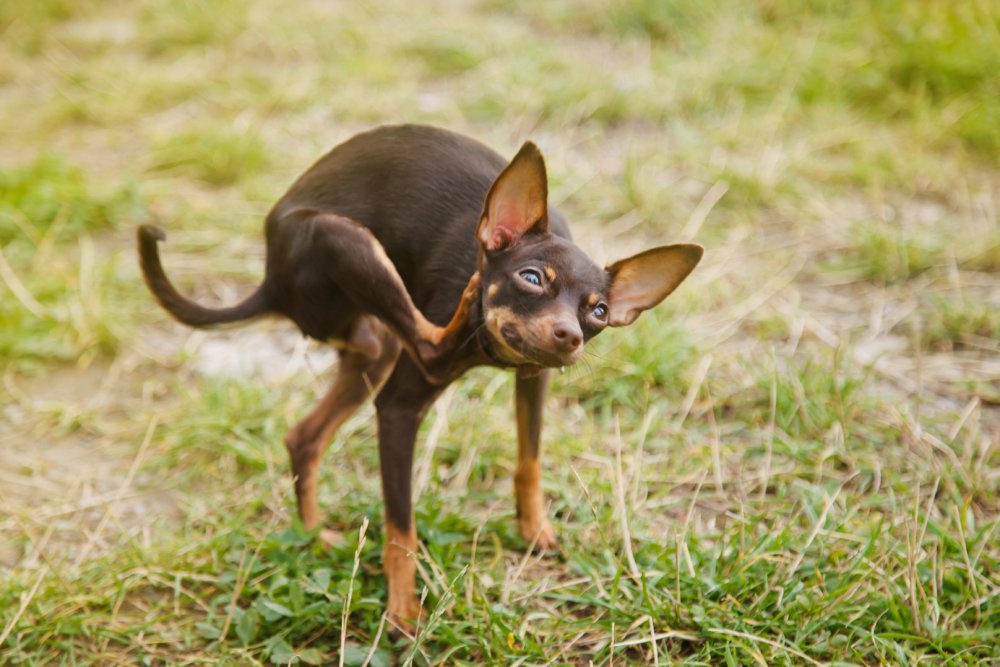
(792, 461)
(960, 323)
(217, 156)
(64, 309)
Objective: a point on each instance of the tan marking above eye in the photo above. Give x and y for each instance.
(593, 299)
(550, 273)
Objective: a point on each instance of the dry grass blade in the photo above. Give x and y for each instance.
(362, 537)
(656, 637)
(25, 601)
(126, 483)
(692, 394)
(820, 523)
(423, 469)
(622, 508)
(764, 640)
(375, 640)
(18, 289)
(704, 207)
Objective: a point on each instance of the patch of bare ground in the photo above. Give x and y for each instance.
(74, 479)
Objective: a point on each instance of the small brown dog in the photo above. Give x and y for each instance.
(418, 239)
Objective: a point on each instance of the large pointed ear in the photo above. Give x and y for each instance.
(516, 203)
(644, 280)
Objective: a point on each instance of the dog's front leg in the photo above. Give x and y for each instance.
(401, 406)
(529, 401)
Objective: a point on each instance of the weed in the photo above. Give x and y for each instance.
(48, 202)
(890, 254)
(61, 302)
(950, 324)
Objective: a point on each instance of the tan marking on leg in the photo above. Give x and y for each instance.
(439, 343)
(401, 575)
(531, 520)
(469, 296)
(532, 523)
(307, 479)
(378, 251)
(427, 330)
(437, 334)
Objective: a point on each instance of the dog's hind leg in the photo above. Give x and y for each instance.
(355, 261)
(371, 352)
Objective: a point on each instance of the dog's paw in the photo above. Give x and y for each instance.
(538, 532)
(403, 616)
(471, 292)
(435, 346)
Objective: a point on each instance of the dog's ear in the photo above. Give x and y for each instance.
(640, 282)
(516, 203)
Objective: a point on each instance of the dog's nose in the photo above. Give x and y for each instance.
(568, 335)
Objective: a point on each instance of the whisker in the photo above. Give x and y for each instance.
(475, 332)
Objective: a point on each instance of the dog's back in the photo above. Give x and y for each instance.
(420, 190)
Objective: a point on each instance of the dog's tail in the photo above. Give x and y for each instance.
(182, 308)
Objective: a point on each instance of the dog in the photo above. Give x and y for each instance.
(421, 253)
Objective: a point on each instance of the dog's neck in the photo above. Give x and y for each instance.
(486, 351)
(486, 348)
(484, 343)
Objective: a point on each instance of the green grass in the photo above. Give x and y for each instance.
(217, 156)
(48, 201)
(61, 303)
(959, 323)
(890, 254)
(802, 443)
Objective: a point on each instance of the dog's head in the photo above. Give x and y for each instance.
(543, 297)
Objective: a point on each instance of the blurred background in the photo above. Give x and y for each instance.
(794, 459)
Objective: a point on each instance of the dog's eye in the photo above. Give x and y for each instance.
(600, 312)
(531, 276)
